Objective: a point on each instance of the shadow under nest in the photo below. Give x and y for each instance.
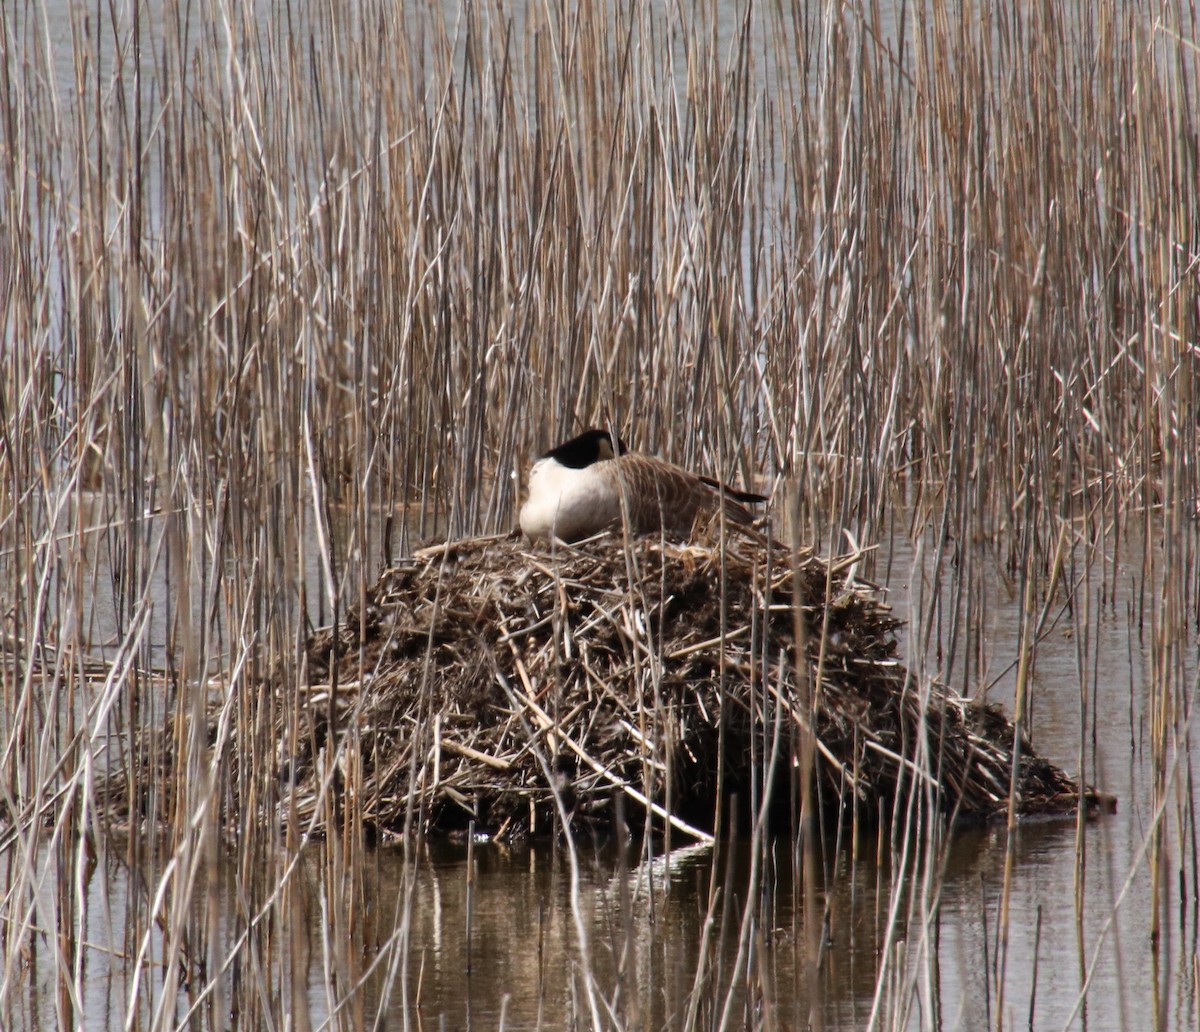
(484, 676)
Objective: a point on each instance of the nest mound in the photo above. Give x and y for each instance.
(491, 681)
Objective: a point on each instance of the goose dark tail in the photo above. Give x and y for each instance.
(733, 492)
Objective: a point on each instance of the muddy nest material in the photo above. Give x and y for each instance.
(484, 676)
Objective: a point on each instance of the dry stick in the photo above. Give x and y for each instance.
(1037, 941)
(809, 693)
(573, 859)
(546, 724)
(195, 821)
(84, 774)
(470, 888)
(805, 725)
(1010, 850)
(268, 905)
(495, 762)
(757, 838)
(410, 868)
(1147, 846)
(906, 819)
(633, 598)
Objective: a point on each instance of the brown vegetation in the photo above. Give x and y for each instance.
(484, 676)
(287, 288)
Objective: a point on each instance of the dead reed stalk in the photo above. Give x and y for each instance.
(286, 292)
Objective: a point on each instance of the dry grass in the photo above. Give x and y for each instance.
(285, 292)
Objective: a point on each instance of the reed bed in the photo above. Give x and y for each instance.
(288, 290)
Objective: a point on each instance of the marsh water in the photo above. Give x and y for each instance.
(520, 967)
(491, 938)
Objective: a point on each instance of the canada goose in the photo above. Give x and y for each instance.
(575, 491)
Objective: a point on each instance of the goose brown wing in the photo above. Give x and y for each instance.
(662, 495)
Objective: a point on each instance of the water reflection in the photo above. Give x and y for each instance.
(665, 938)
(663, 947)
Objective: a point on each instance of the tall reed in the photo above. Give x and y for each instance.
(289, 287)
